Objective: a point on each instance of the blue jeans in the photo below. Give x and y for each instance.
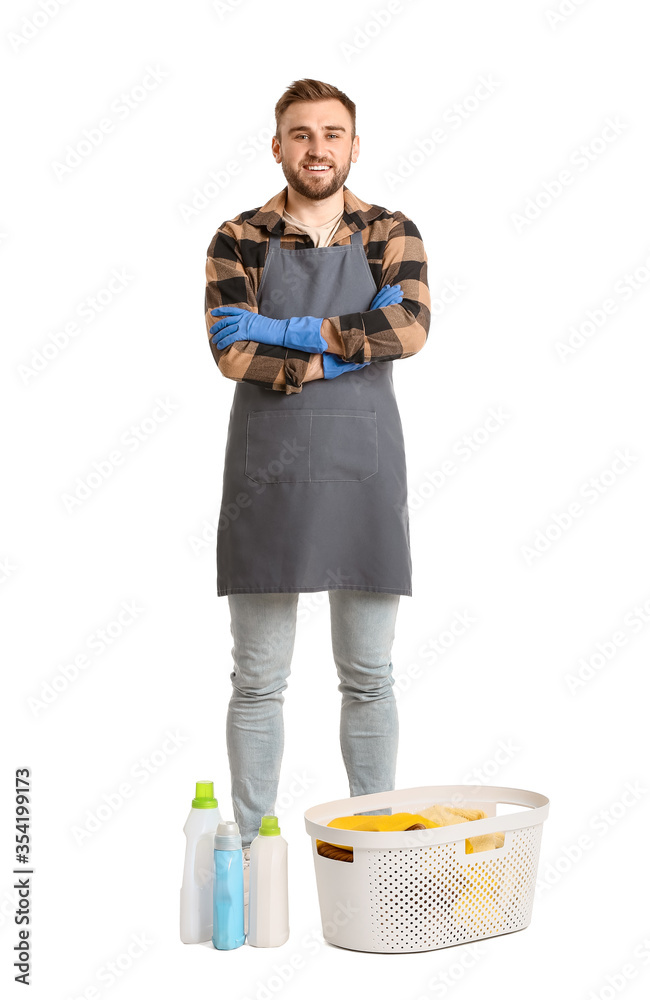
(263, 627)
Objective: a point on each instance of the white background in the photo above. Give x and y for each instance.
(504, 682)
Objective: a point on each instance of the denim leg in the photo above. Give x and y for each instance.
(263, 627)
(363, 629)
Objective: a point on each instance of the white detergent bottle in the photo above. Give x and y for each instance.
(268, 903)
(196, 891)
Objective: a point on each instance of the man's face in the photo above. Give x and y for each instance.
(317, 133)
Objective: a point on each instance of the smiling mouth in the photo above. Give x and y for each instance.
(317, 168)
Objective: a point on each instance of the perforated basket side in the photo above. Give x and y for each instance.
(436, 896)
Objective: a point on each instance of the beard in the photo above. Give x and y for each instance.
(317, 189)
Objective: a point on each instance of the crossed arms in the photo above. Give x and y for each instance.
(384, 334)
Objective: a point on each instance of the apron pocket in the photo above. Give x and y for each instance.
(343, 445)
(277, 446)
(318, 446)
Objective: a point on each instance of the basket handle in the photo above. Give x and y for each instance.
(535, 812)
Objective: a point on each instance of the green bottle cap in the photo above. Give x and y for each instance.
(204, 796)
(269, 827)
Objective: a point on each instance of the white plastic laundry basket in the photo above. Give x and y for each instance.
(419, 890)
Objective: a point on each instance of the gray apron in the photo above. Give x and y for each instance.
(314, 484)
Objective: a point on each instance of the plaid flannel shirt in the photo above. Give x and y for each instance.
(395, 252)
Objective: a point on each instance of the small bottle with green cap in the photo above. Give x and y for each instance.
(268, 902)
(196, 891)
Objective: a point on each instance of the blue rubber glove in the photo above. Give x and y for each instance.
(387, 296)
(333, 365)
(299, 332)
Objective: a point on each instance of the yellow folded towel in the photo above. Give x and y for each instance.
(488, 842)
(397, 821)
(447, 815)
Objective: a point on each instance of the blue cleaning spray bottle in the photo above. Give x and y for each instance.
(228, 895)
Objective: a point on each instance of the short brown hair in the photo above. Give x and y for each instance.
(313, 90)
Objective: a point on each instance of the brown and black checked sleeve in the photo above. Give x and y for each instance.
(392, 332)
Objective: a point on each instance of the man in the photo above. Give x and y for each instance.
(315, 294)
